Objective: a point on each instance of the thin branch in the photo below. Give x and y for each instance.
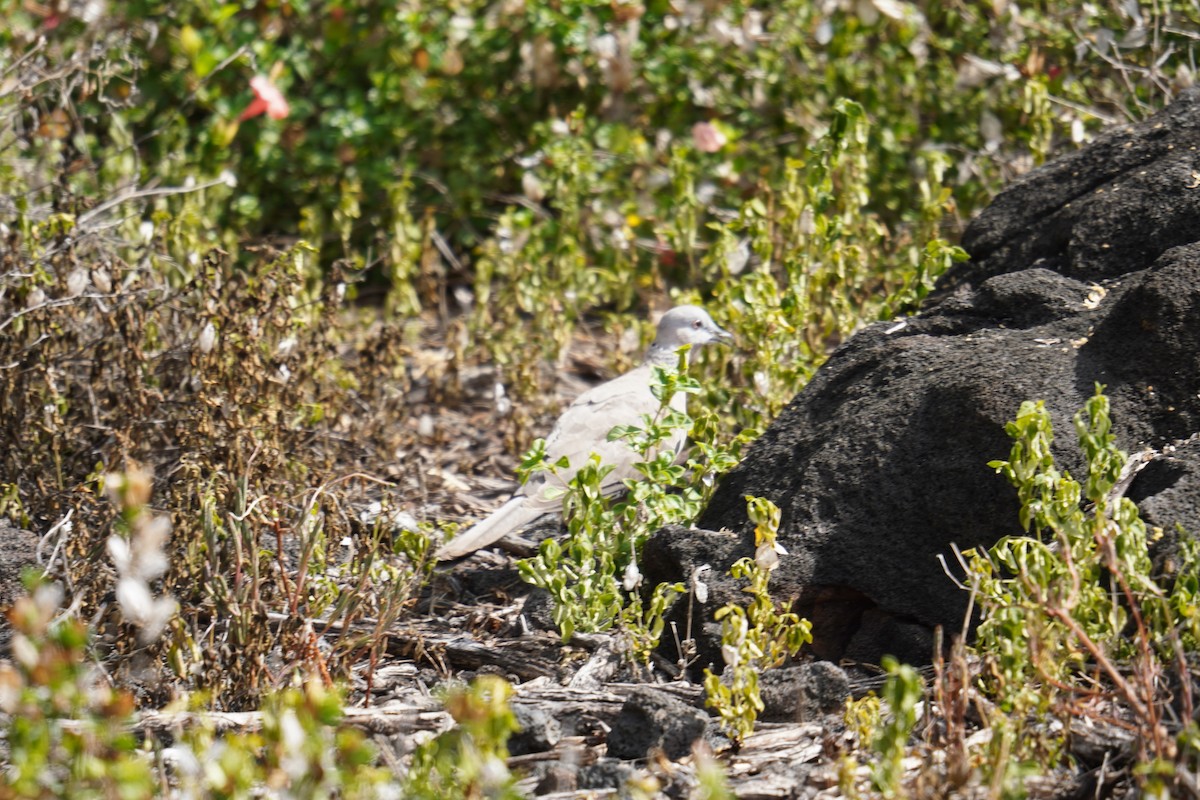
(65, 301)
(62, 524)
(138, 194)
(1101, 659)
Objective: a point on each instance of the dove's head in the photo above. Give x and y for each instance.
(686, 325)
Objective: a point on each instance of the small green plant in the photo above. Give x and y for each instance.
(754, 638)
(1074, 609)
(468, 761)
(862, 718)
(593, 577)
(67, 733)
(902, 690)
(71, 734)
(10, 504)
(383, 567)
(885, 725)
(711, 781)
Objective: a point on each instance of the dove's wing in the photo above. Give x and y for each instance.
(584, 427)
(581, 430)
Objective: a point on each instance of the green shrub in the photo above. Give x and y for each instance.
(903, 689)
(541, 155)
(1075, 609)
(71, 734)
(757, 637)
(468, 760)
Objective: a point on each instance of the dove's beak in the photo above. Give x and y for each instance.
(721, 335)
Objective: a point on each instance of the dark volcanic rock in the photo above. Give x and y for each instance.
(880, 464)
(18, 552)
(1103, 211)
(652, 718)
(803, 692)
(539, 731)
(606, 774)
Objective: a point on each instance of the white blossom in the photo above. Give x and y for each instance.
(766, 557)
(208, 338)
(698, 585)
(632, 578)
(23, 651)
(118, 551)
(101, 279)
(808, 222)
(77, 281)
(500, 401)
(731, 656)
(532, 187)
(292, 737)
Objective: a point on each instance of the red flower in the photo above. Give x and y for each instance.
(266, 98)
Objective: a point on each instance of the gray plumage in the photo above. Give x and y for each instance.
(583, 429)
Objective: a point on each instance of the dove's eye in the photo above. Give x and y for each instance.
(697, 324)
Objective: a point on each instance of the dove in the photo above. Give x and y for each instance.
(584, 427)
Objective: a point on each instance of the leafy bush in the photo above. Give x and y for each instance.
(251, 309)
(757, 637)
(548, 160)
(1075, 610)
(1078, 635)
(450, 94)
(230, 384)
(70, 734)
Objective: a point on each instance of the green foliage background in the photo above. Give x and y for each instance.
(262, 312)
(256, 310)
(401, 110)
(527, 163)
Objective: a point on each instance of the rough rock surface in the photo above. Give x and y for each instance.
(651, 718)
(1086, 271)
(804, 692)
(18, 552)
(539, 730)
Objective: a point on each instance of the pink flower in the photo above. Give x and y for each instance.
(266, 98)
(707, 138)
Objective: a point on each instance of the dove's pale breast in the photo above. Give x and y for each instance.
(583, 429)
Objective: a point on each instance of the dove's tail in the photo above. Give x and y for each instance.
(510, 517)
